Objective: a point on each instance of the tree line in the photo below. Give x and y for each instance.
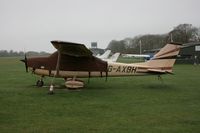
(11, 53)
(183, 33)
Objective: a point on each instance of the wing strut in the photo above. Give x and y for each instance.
(58, 64)
(55, 74)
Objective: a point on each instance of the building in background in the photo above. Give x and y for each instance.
(93, 44)
(95, 50)
(189, 53)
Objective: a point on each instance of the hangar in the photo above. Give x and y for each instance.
(189, 53)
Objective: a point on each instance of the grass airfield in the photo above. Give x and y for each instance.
(120, 105)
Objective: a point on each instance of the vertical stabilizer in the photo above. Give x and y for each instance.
(105, 55)
(114, 57)
(164, 60)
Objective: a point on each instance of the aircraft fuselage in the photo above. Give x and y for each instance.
(114, 70)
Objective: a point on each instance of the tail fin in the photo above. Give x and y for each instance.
(114, 57)
(164, 60)
(105, 55)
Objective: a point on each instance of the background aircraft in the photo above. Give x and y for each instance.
(104, 55)
(113, 58)
(72, 61)
(144, 56)
(136, 55)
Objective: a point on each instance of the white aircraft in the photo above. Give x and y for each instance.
(113, 58)
(104, 55)
(136, 55)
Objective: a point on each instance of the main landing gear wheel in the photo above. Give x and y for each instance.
(39, 83)
(74, 84)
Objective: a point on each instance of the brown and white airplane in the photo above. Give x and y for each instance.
(73, 60)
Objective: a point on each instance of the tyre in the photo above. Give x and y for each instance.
(40, 83)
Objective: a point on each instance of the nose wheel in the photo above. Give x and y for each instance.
(40, 82)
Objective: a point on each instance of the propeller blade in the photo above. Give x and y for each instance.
(26, 65)
(25, 62)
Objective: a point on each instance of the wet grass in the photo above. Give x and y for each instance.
(128, 104)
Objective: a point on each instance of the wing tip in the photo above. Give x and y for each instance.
(64, 42)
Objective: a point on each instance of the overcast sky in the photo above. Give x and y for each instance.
(32, 24)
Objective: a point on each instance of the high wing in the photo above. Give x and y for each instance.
(76, 57)
(72, 49)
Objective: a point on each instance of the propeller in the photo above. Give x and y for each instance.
(25, 61)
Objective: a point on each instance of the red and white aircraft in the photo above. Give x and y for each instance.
(72, 61)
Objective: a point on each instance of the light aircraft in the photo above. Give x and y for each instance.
(72, 61)
(136, 55)
(113, 58)
(104, 55)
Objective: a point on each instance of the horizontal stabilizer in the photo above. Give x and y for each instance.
(159, 71)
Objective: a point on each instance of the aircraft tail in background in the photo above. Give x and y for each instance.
(113, 58)
(105, 55)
